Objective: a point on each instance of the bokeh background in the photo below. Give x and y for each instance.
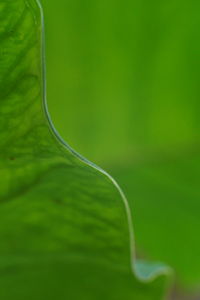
(123, 90)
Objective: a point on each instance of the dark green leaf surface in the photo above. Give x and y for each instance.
(65, 226)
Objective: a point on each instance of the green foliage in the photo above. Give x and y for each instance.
(65, 226)
(130, 91)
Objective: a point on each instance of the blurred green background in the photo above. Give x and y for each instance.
(123, 90)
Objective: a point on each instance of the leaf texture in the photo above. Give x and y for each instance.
(65, 225)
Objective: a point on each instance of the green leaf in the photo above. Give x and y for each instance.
(65, 225)
(132, 72)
